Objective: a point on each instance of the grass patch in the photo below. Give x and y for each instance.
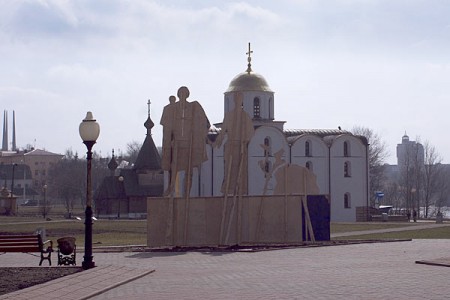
(350, 227)
(134, 232)
(104, 232)
(432, 233)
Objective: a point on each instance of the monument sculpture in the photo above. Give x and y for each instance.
(185, 127)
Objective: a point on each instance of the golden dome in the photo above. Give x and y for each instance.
(248, 81)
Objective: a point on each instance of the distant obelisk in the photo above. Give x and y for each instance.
(5, 131)
(14, 148)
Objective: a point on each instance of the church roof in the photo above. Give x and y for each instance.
(112, 188)
(248, 81)
(132, 188)
(148, 157)
(319, 132)
(326, 134)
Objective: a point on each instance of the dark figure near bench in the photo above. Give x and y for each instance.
(408, 214)
(414, 215)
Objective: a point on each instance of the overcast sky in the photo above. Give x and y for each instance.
(384, 65)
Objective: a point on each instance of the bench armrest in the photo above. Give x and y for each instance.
(50, 247)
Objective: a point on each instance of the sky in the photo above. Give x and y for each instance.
(380, 64)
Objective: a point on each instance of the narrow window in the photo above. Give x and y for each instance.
(308, 148)
(270, 108)
(347, 169)
(267, 167)
(346, 149)
(267, 147)
(256, 108)
(347, 201)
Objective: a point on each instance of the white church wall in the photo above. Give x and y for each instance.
(350, 179)
(265, 100)
(318, 158)
(218, 172)
(258, 180)
(206, 180)
(212, 171)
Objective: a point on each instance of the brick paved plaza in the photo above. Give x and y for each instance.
(363, 271)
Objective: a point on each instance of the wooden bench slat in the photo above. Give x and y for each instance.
(21, 243)
(20, 249)
(26, 243)
(35, 239)
(7, 237)
(34, 242)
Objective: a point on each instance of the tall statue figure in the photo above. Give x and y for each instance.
(185, 127)
(238, 127)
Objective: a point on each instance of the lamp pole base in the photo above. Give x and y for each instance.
(88, 258)
(87, 264)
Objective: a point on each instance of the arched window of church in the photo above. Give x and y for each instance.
(267, 169)
(346, 149)
(309, 165)
(347, 169)
(267, 146)
(347, 201)
(308, 150)
(271, 108)
(256, 108)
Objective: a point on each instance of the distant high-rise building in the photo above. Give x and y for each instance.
(410, 153)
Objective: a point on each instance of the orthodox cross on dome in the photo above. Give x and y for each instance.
(149, 123)
(148, 103)
(249, 59)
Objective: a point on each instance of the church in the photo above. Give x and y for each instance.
(331, 162)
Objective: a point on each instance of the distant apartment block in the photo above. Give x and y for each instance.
(39, 162)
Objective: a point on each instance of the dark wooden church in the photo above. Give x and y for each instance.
(124, 194)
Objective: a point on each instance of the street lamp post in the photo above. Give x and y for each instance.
(89, 132)
(118, 208)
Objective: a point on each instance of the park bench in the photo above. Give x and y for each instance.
(27, 244)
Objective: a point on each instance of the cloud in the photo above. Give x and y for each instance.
(333, 58)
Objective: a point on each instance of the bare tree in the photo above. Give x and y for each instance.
(394, 196)
(377, 157)
(443, 189)
(431, 172)
(411, 168)
(132, 153)
(418, 171)
(67, 180)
